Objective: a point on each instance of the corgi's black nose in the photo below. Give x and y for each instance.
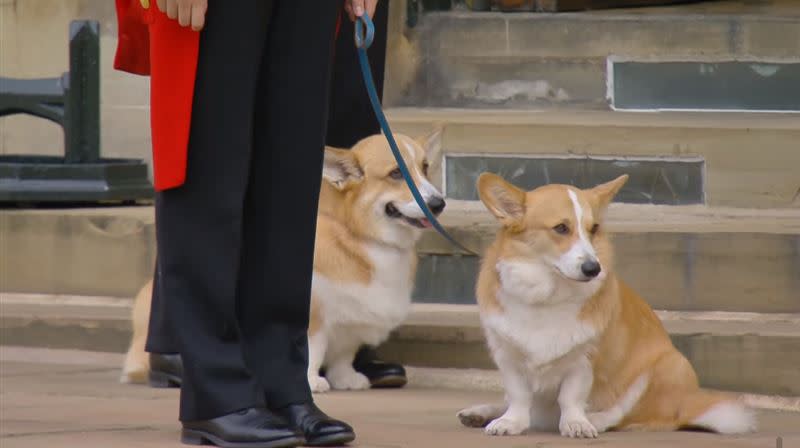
(436, 204)
(590, 268)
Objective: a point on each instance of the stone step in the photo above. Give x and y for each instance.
(745, 160)
(735, 351)
(106, 251)
(746, 352)
(490, 380)
(464, 59)
(677, 257)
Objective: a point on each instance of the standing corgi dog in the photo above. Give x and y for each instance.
(365, 258)
(578, 350)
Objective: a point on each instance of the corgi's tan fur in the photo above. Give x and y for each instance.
(364, 259)
(578, 350)
(137, 363)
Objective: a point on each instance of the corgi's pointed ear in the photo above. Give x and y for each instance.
(505, 201)
(340, 168)
(432, 141)
(605, 192)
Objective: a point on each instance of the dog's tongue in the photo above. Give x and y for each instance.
(425, 223)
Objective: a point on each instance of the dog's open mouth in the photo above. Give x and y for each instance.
(393, 212)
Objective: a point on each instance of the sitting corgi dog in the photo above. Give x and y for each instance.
(365, 258)
(577, 349)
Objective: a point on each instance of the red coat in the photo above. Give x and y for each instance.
(150, 43)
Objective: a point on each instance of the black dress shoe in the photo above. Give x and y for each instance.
(317, 428)
(166, 370)
(248, 428)
(380, 374)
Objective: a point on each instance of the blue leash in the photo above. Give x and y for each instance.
(363, 40)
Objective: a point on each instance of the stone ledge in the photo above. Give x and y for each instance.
(747, 352)
(733, 351)
(674, 256)
(749, 158)
(674, 32)
(490, 381)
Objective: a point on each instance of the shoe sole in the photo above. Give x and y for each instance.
(332, 439)
(161, 380)
(194, 437)
(389, 382)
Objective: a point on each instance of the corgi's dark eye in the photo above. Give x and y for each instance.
(594, 229)
(561, 229)
(396, 174)
(425, 166)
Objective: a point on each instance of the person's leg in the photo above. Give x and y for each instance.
(274, 289)
(199, 224)
(166, 368)
(350, 119)
(160, 338)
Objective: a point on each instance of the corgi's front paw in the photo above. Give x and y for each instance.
(505, 426)
(576, 425)
(348, 381)
(318, 384)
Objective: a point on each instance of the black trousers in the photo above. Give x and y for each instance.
(236, 241)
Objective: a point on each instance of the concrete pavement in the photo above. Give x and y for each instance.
(66, 398)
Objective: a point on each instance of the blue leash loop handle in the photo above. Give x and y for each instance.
(364, 34)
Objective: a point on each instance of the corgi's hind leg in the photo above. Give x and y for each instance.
(480, 415)
(137, 361)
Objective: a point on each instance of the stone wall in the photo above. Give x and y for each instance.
(34, 44)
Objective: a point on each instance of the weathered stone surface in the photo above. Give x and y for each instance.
(747, 352)
(682, 258)
(528, 60)
(95, 252)
(673, 271)
(750, 159)
(676, 181)
(70, 398)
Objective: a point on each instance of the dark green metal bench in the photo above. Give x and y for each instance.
(73, 101)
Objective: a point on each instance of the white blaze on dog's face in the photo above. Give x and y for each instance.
(555, 227)
(381, 205)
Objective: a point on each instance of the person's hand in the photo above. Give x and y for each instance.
(186, 12)
(357, 8)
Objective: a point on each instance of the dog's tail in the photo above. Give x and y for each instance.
(689, 408)
(717, 412)
(137, 361)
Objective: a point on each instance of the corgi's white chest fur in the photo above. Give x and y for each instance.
(539, 330)
(368, 312)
